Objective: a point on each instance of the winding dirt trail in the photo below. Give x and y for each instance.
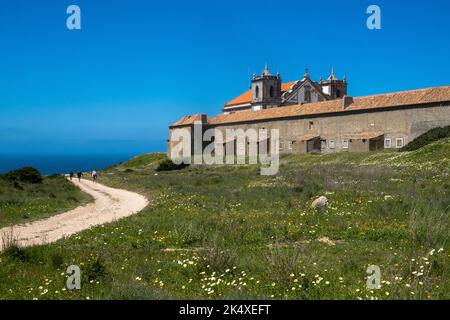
(110, 204)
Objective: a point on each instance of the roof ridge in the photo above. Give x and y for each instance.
(400, 92)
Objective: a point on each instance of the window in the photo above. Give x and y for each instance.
(311, 125)
(257, 92)
(290, 144)
(338, 93)
(307, 94)
(323, 144)
(281, 145)
(263, 132)
(271, 92)
(399, 142)
(345, 144)
(331, 144)
(388, 143)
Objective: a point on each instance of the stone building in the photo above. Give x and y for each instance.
(321, 117)
(267, 91)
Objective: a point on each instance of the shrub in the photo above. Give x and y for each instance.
(26, 175)
(95, 269)
(216, 257)
(56, 260)
(282, 263)
(427, 138)
(17, 254)
(168, 165)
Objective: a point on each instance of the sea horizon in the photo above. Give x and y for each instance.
(62, 163)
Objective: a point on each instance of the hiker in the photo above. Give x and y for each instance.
(79, 174)
(94, 176)
(71, 175)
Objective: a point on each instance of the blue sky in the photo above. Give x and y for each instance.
(137, 66)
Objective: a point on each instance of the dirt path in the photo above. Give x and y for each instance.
(109, 205)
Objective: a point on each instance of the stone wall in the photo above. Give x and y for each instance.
(400, 126)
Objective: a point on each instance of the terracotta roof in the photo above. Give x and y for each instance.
(404, 98)
(306, 137)
(189, 120)
(366, 135)
(246, 97)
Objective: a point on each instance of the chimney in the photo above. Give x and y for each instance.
(204, 118)
(346, 101)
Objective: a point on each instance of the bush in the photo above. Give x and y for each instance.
(168, 165)
(17, 254)
(427, 138)
(95, 269)
(26, 175)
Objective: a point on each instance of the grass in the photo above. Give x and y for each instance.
(22, 202)
(226, 232)
(427, 138)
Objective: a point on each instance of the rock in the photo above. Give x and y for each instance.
(388, 197)
(320, 203)
(327, 241)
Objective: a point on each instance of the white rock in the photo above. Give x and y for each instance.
(320, 203)
(388, 197)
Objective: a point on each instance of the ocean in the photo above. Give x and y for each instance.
(57, 164)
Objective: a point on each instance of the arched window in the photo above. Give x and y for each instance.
(338, 93)
(272, 92)
(257, 92)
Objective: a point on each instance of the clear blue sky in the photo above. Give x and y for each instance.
(137, 66)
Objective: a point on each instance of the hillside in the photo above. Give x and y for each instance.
(228, 232)
(24, 201)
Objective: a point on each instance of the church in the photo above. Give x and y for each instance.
(267, 91)
(320, 116)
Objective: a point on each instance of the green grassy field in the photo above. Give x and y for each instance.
(25, 202)
(227, 232)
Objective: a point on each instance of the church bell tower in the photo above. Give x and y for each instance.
(334, 87)
(266, 90)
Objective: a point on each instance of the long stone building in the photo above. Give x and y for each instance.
(321, 117)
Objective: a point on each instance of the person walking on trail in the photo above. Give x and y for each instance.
(94, 176)
(79, 174)
(71, 174)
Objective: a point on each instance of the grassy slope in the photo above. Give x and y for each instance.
(227, 232)
(27, 202)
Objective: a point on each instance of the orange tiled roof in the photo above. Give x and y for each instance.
(246, 97)
(189, 120)
(306, 137)
(366, 135)
(404, 98)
